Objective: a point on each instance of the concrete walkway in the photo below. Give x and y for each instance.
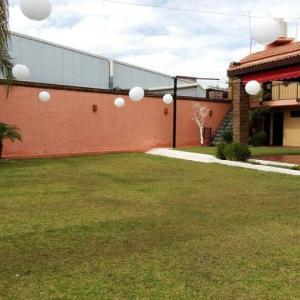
(205, 158)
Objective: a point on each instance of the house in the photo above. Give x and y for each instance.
(277, 68)
(216, 93)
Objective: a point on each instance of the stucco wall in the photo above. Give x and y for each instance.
(187, 130)
(291, 130)
(67, 125)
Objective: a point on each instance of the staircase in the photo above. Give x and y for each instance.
(225, 126)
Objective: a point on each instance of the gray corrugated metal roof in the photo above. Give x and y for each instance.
(91, 54)
(52, 63)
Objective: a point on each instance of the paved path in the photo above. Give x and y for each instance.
(204, 158)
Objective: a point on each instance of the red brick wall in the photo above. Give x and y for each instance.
(240, 112)
(67, 124)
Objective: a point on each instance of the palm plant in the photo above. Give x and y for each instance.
(9, 132)
(5, 59)
(6, 131)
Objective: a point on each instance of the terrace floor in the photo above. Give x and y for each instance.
(291, 159)
(135, 226)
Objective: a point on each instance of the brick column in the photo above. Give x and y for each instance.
(240, 112)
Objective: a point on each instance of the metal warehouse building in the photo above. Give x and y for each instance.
(55, 64)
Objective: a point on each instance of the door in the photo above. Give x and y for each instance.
(266, 127)
(278, 129)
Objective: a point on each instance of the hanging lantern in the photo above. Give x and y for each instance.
(168, 99)
(253, 88)
(44, 96)
(20, 72)
(119, 102)
(265, 31)
(136, 94)
(36, 10)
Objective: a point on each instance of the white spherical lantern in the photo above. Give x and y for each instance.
(168, 99)
(136, 94)
(253, 87)
(119, 102)
(265, 31)
(20, 72)
(36, 10)
(44, 96)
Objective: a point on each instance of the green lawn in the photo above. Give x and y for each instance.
(131, 226)
(254, 150)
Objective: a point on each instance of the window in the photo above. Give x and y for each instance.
(295, 114)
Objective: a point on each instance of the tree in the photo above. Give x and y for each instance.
(5, 59)
(200, 113)
(9, 132)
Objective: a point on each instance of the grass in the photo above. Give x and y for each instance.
(131, 226)
(256, 151)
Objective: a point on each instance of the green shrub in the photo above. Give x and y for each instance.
(220, 151)
(296, 168)
(237, 152)
(259, 138)
(227, 137)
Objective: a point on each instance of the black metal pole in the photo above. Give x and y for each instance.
(175, 100)
(175, 112)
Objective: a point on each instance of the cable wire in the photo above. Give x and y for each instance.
(191, 10)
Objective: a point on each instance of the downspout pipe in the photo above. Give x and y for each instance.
(111, 75)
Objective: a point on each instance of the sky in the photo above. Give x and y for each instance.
(172, 42)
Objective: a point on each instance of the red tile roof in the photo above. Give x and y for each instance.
(274, 52)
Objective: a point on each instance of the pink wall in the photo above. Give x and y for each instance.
(187, 130)
(67, 125)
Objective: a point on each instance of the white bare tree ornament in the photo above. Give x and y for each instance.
(200, 113)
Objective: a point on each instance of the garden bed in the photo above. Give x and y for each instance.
(256, 151)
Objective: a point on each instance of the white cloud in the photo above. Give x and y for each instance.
(172, 42)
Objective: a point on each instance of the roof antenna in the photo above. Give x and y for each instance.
(250, 33)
